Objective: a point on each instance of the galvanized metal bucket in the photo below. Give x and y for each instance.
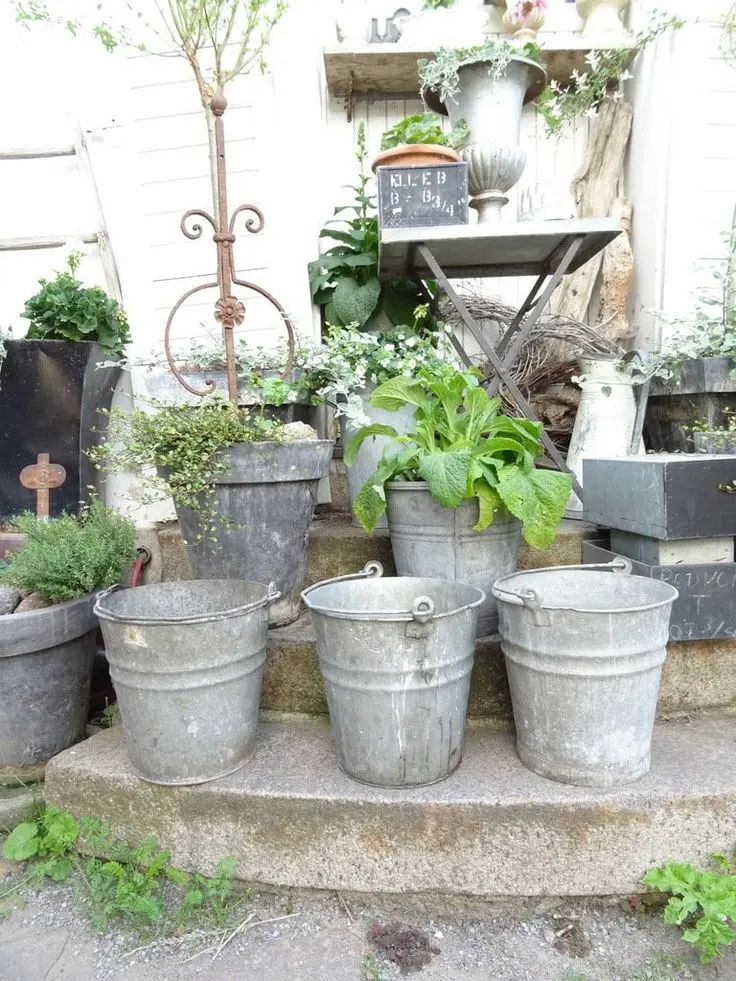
(396, 656)
(186, 660)
(584, 650)
(430, 540)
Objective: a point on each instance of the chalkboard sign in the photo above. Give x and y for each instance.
(706, 606)
(423, 195)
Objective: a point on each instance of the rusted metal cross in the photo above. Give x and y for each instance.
(42, 477)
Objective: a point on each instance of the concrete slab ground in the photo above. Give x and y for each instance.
(326, 938)
(292, 818)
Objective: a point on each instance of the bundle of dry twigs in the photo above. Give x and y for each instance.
(543, 370)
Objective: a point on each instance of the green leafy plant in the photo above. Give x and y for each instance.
(561, 105)
(65, 310)
(438, 4)
(183, 442)
(132, 885)
(703, 900)
(424, 128)
(440, 74)
(344, 280)
(464, 449)
(68, 557)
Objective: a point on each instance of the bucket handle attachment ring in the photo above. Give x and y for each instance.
(422, 609)
(273, 593)
(371, 570)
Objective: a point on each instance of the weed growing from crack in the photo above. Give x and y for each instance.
(136, 887)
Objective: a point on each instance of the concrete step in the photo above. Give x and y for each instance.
(697, 675)
(337, 548)
(292, 818)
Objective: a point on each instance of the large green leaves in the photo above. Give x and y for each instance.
(464, 448)
(367, 432)
(537, 498)
(353, 303)
(447, 475)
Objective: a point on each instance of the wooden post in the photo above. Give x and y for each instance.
(42, 477)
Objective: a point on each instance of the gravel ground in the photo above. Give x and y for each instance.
(324, 937)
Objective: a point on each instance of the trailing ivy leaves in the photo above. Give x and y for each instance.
(705, 901)
(464, 448)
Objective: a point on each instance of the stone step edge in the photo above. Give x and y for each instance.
(292, 819)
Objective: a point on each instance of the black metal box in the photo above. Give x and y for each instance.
(420, 195)
(706, 606)
(662, 495)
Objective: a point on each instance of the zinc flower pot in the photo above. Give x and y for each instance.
(705, 390)
(370, 452)
(46, 659)
(432, 541)
(267, 495)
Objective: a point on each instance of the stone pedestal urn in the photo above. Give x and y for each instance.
(491, 103)
(603, 18)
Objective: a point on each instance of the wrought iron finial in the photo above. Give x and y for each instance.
(229, 310)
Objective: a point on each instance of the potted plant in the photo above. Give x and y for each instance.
(693, 375)
(461, 487)
(52, 384)
(244, 487)
(47, 641)
(487, 86)
(420, 139)
(719, 440)
(349, 365)
(344, 279)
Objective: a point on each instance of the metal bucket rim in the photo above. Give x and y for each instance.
(271, 595)
(398, 616)
(516, 599)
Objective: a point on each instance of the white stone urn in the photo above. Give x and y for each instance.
(522, 20)
(603, 19)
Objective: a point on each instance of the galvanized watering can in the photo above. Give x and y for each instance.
(396, 656)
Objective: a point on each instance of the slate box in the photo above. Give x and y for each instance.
(662, 495)
(419, 195)
(706, 606)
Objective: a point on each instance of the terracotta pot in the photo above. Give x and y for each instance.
(416, 154)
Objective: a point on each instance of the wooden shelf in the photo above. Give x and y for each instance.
(388, 70)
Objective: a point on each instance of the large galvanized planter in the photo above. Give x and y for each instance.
(369, 454)
(584, 650)
(432, 541)
(267, 494)
(51, 393)
(46, 659)
(163, 385)
(396, 657)
(186, 659)
(704, 391)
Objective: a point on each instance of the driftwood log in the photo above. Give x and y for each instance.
(617, 279)
(595, 188)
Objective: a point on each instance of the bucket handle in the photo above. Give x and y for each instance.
(533, 601)
(371, 570)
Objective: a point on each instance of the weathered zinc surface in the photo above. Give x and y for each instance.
(661, 495)
(291, 818)
(706, 606)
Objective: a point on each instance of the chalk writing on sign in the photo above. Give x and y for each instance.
(421, 196)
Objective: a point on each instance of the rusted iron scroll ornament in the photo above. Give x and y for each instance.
(229, 311)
